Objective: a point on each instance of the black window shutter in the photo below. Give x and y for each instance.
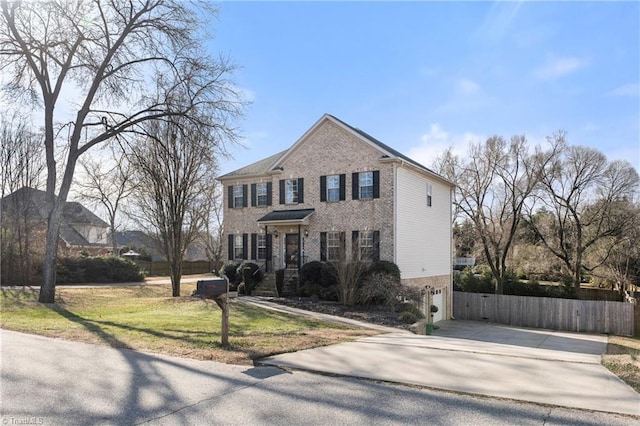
(230, 196)
(245, 243)
(231, 247)
(343, 180)
(323, 188)
(301, 190)
(254, 246)
(355, 186)
(376, 246)
(343, 246)
(355, 246)
(376, 184)
(245, 190)
(323, 246)
(281, 191)
(253, 195)
(269, 246)
(269, 191)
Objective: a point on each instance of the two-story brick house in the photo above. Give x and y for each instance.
(338, 191)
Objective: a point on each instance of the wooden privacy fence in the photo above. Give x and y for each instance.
(594, 316)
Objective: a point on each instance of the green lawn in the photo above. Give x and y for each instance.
(146, 318)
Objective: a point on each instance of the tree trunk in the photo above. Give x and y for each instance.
(176, 276)
(48, 286)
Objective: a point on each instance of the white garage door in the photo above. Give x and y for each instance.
(439, 301)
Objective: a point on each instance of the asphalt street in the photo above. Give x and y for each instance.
(55, 382)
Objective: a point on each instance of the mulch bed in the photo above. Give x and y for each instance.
(381, 315)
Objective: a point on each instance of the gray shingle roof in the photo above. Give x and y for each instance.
(34, 203)
(259, 167)
(286, 215)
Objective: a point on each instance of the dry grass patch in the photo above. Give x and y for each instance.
(623, 359)
(146, 318)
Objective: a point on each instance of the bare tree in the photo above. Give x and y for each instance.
(493, 185)
(620, 255)
(175, 166)
(107, 52)
(22, 166)
(213, 231)
(108, 187)
(582, 194)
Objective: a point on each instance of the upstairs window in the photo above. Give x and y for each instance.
(291, 191)
(332, 188)
(429, 193)
(366, 185)
(237, 196)
(261, 194)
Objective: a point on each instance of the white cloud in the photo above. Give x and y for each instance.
(559, 67)
(465, 86)
(631, 89)
(434, 142)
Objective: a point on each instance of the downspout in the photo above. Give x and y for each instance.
(270, 249)
(299, 247)
(451, 253)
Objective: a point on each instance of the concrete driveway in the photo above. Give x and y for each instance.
(541, 366)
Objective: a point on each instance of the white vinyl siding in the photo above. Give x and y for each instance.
(423, 239)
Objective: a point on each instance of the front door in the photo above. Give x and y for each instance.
(292, 251)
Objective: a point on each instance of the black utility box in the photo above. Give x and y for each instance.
(211, 288)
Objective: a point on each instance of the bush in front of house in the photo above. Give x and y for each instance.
(384, 267)
(251, 275)
(318, 279)
(409, 313)
(96, 269)
(380, 285)
(230, 271)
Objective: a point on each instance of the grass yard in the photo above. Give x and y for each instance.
(146, 318)
(623, 359)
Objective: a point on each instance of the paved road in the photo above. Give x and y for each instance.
(55, 382)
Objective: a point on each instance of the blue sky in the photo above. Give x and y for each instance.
(422, 76)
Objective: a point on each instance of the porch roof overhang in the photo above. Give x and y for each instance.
(287, 217)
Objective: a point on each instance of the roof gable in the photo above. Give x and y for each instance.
(34, 203)
(277, 161)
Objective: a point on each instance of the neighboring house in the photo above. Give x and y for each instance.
(139, 241)
(80, 229)
(142, 242)
(336, 191)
